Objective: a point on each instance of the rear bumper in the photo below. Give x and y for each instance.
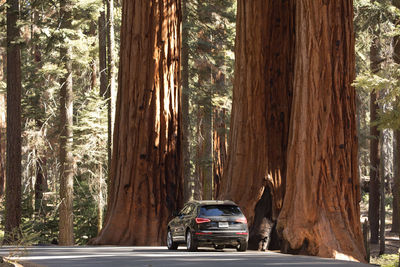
(221, 238)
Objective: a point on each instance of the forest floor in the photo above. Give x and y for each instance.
(392, 241)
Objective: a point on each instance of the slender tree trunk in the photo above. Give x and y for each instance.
(207, 156)
(13, 180)
(382, 195)
(396, 146)
(396, 187)
(111, 87)
(103, 54)
(40, 185)
(100, 200)
(220, 146)
(146, 178)
(261, 109)
(188, 181)
(373, 207)
(321, 214)
(3, 127)
(66, 234)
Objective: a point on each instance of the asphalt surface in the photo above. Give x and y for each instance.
(53, 256)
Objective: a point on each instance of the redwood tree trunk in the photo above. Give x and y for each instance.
(261, 110)
(320, 214)
(13, 179)
(146, 179)
(66, 227)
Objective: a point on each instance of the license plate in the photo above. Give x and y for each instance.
(223, 225)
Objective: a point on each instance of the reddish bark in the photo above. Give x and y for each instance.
(146, 178)
(321, 214)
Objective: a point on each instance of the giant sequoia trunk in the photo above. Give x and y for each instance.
(13, 179)
(314, 170)
(146, 179)
(261, 111)
(320, 214)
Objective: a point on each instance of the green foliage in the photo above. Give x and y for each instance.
(41, 40)
(386, 260)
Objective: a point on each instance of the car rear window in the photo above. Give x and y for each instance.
(220, 210)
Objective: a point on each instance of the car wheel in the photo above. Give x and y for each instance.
(170, 243)
(242, 246)
(191, 244)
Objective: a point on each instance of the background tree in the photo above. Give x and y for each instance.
(13, 181)
(147, 130)
(66, 235)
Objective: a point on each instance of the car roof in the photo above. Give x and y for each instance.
(212, 202)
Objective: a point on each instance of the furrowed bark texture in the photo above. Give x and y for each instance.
(261, 105)
(13, 179)
(320, 214)
(146, 178)
(66, 226)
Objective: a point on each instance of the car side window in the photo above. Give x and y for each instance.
(184, 210)
(190, 210)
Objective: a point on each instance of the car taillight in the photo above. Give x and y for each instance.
(242, 220)
(242, 233)
(202, 220)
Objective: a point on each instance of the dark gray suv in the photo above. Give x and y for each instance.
(208, 223)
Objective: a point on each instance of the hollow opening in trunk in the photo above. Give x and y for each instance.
(263, 233)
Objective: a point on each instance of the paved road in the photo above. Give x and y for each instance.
(158, 256)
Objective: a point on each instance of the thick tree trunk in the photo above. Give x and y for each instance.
(146, 178)
(188, 181)
(320, 214)
(13, 180)
(66, 234)
(261, 110)
(374, 195)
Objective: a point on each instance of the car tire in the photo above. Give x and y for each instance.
(242, 246)
(191, 244)
(170, 243)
